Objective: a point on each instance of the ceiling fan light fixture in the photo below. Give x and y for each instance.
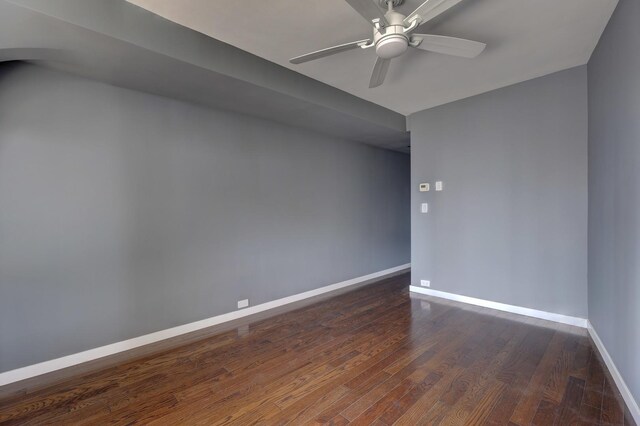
(391, 46)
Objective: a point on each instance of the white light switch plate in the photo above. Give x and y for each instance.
(424, 208)
(243, 303)
(439, 185)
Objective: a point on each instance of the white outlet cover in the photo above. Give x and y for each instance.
(424, 208)
(439, 185)
(425, 283)
(243, 303)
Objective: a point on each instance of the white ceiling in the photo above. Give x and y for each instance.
(525, 38)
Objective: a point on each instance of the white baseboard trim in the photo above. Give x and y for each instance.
(564, 319)
(632, 404)
(93, 354)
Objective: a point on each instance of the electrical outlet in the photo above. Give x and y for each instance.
(439, 185)
(243, 303)
(425, 283)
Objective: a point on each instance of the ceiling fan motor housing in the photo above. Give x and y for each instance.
(391, 40)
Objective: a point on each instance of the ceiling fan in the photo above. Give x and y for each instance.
(393, 34)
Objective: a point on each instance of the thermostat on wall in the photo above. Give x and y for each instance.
(424, 187)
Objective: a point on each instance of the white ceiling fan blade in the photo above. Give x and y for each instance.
(328, 51)
(429, 10)
(449, 45)
(368, 10)
(379, 72)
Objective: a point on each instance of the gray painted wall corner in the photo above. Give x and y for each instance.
(511, 223)
(614, 191)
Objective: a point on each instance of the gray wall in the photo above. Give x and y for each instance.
(511, 223)
(614, 191)
(123, 213)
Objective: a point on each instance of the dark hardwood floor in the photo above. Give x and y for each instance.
(374, 356)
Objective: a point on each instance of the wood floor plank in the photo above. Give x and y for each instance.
(483, 408)
(528, 404)
(371, 414)
(570, 406)
(558, 379)
(517, 372)
(394, 411)
(351, 397)
(377, 355)
(612, 407)
(589, 415)
(429, 399)
(546, 414)
(580, 365)
(307, 409)
(338, 421)
(483, 381)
